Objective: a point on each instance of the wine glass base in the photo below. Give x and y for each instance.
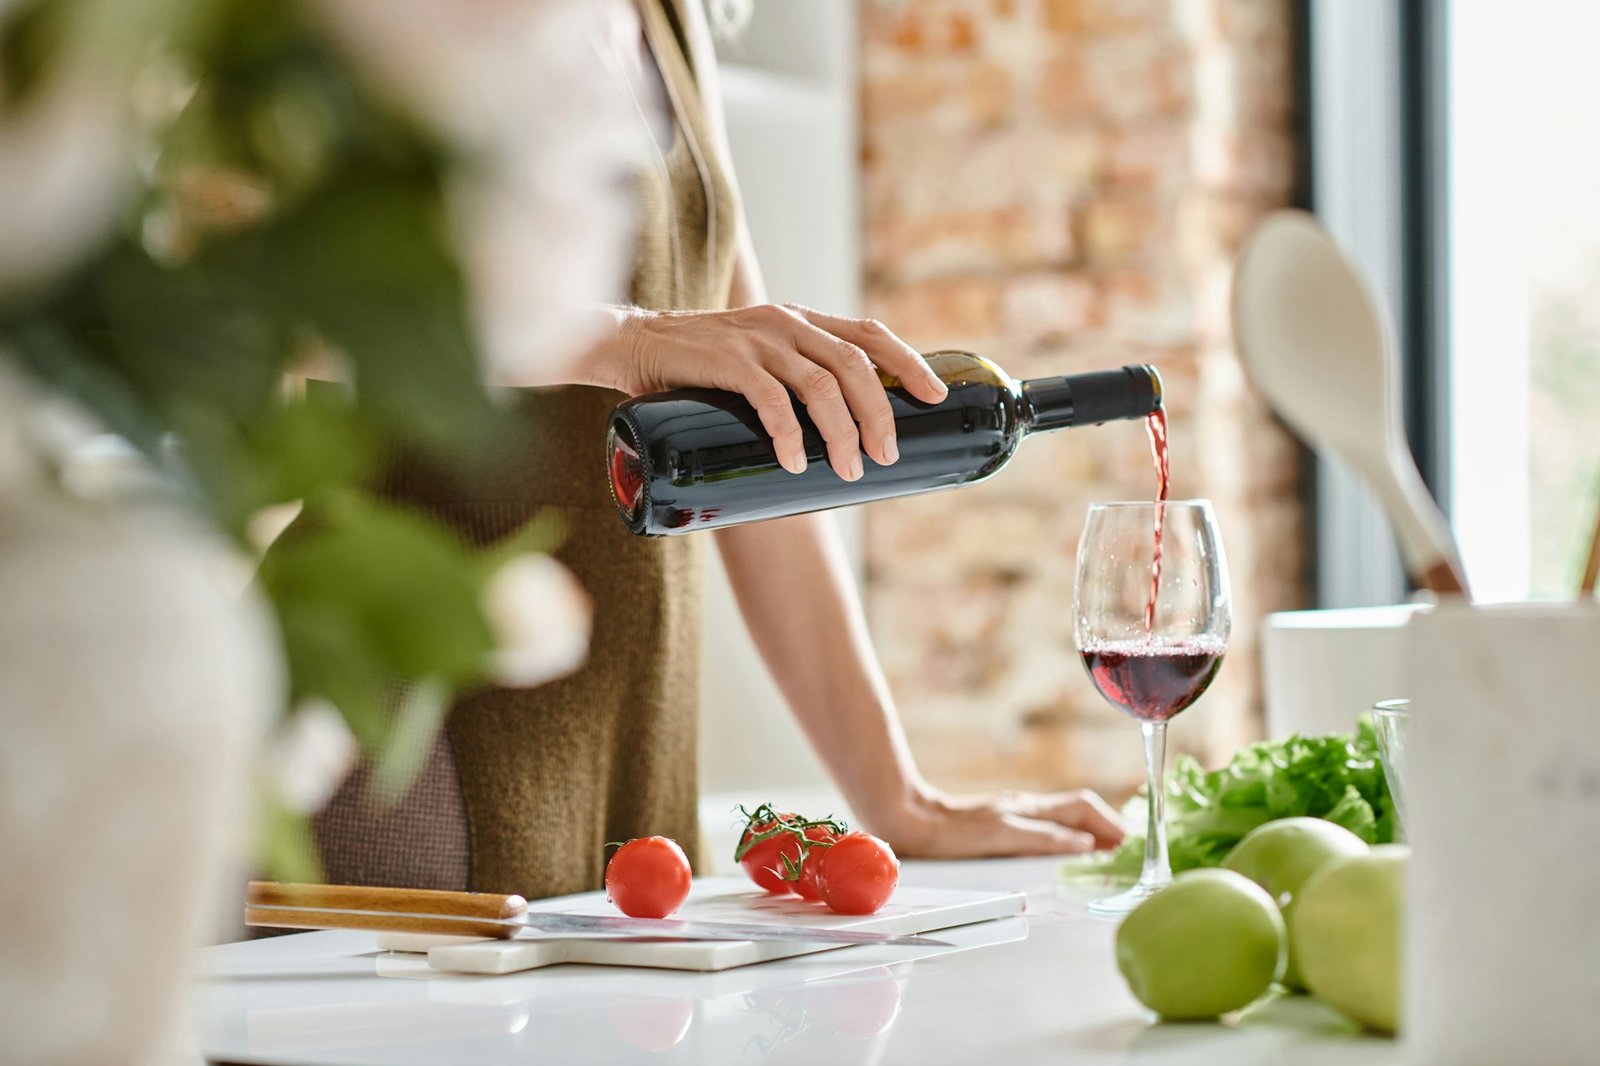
(1120, 904)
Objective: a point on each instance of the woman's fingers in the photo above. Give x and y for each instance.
(820, 391)
(1086, 811)
(884, 349)
(979, 827)
(831, 363)
(1012, 823)
(858, 381)
(1062, 840)
(1017, 834)
(776, 411)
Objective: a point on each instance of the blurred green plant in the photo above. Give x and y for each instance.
(283, 212)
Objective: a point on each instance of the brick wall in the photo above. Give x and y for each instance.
(1062, 185)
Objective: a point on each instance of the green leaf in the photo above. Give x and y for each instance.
(407, 587)
(55, 356)
(198, 334)
(416, 722)
(1384, 831)
(1223, 823)
(371, 596)
(366, 261)
(286, 849)
(307, 447)
(329, 657)
(1336, 776)
(1119, 864)
(1355, 814)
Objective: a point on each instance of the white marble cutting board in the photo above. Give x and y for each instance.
(713, 899)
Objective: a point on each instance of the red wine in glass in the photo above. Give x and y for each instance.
(1150, 667)
(1153, 681)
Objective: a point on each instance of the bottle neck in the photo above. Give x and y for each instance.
(1089, 399)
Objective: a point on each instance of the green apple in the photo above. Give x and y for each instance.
(1281, 856)
(1346, 927)
(1210, 943)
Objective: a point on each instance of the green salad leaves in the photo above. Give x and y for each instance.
(1336, 776)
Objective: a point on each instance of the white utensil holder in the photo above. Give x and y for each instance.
(1503, 783)
(1321, 670)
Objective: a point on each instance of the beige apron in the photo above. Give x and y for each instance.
(527, 786)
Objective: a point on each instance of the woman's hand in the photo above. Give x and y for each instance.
(765, 352)
(934, 825)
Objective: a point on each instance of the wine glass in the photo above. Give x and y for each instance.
(1151, 619)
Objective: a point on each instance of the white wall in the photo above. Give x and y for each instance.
(790, 87)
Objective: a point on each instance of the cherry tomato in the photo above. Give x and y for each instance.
(648, 877)
(858, 874)
(764, 861)
(806, 887)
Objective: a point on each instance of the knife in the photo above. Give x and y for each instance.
(485, 914)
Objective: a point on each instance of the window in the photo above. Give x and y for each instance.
(1523, 174)
(1453, 152)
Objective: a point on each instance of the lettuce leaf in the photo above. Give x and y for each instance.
(1336, 776)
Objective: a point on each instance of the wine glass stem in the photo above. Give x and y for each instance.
(1157, 867)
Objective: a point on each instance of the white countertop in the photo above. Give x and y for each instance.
(1037, 989)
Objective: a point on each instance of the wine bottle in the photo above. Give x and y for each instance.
(699, 458)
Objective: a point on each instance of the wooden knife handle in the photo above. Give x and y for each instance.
(268, 903)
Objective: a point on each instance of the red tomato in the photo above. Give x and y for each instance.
(806, 886)
(858, 874)
(648, 877)
(764, 862)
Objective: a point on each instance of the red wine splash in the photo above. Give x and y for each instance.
(1156, 424)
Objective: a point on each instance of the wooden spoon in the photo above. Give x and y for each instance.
(1313, 339)
(1591, 565)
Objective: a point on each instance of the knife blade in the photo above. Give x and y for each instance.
(505, 917)
(557, 924)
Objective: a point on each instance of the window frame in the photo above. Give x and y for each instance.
(1371, 83)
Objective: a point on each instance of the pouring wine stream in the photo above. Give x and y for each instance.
(1155, 423)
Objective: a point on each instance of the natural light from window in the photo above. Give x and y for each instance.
(1524, 272)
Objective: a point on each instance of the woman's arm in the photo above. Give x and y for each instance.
(799, 601)
(807, 621)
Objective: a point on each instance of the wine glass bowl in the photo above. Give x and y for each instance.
(1151, 617)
